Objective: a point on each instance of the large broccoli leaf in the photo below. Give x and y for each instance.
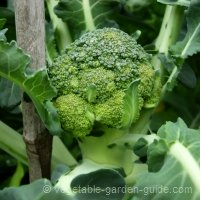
(109, 186)
(174, 159)
(109, 181)
(84, 15)
(21, 193)
(191, 43)
(10, 95)
(13, 66)
(38, 190)
(93, 181)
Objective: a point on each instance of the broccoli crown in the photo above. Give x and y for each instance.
(99, 70)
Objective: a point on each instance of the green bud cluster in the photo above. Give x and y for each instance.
(98, 69)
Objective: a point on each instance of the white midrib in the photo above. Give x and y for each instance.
(188, 162)
(189, 42)
(90, 26)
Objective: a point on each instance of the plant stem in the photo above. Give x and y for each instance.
(169, 31)
(105, 152)
(63, 37)
(30, 30)
(90, 26)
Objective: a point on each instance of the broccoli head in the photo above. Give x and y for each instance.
(105, 77)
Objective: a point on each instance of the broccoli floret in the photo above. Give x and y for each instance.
(75, 114)
(146, 84)
(110, 112)
(105, 74)
(99, 82)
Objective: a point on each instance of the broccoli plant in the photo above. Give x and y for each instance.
(104, 81)
(101, 88)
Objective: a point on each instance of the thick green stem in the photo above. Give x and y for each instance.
(90, 26)
(63, 37)
(170, 29)
(102, 150)
(169, 32)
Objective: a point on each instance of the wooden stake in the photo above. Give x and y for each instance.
(30, 31)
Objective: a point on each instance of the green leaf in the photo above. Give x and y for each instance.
(179, 104)
(58, 172)
(131, 105)
(140, 148)
(101, 184)
(84, 15)
(156, 154)
(41, 189)
(187, 76)
(13, 66)
(91, 93)
(191, 43)
(51, 51)
(12, 143)
(55, 194)
(91, 180)
(176, 2)
(17, 176)
(159, 118)
(31, 191)
(59, 149)
(170, 64)
(2, 34)
(180, 173)
(10, 95)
